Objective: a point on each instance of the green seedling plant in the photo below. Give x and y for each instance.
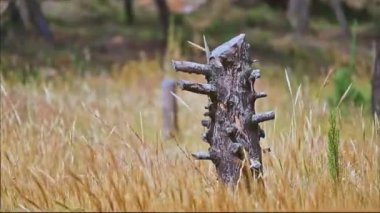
(343, 78)
(333, 147)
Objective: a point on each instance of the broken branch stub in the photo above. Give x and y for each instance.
(191, 67)
(233, 130)
(205, 89)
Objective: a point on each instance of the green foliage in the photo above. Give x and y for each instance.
(263, 15)
(333, 147)
(260, 14)
(223, 29)
(24, 74)
(79, 64)
(343, 79)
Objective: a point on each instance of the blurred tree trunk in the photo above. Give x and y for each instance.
(30, 13)
(24, 13)
(298, 14)
(163, 9)
(337, 7)
(15, 16)
(169, 109)
(129, 12)
(376, 80)
(164, 13)
(38, 19)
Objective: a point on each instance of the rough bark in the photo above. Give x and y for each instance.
(233, 130)
(169, 108)
(376, 80)
(298, 14)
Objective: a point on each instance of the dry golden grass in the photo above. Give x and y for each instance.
(94, 144)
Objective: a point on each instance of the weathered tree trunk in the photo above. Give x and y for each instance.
(298, 14)
(233, 125)
(376, 80)
(169, 108)
(337, 7)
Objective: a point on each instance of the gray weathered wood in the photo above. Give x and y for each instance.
(169, 108)
(260, 95)
(233, 130)
(191, 67)
(261, 117)
(205, 89)
(202, 155)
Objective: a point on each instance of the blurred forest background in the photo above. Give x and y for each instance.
(306, 35)
(81, 114)
(47, 38)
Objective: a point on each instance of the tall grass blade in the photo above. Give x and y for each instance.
(344, 95)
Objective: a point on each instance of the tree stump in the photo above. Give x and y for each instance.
(233, 124)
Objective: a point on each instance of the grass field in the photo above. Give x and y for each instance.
(93, 143)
